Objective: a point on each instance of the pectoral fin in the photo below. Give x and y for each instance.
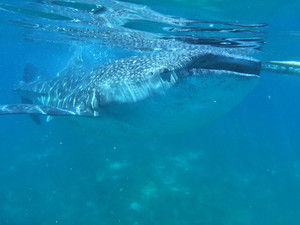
(42, 110)
(35, 117)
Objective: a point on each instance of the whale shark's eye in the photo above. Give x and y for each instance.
(165, 75)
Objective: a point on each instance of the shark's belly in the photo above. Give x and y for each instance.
(192, 102)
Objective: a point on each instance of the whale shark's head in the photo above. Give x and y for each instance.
(139, 77)
(171, 92)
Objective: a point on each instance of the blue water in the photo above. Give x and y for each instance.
(243, 168)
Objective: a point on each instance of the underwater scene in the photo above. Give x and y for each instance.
(145, 112)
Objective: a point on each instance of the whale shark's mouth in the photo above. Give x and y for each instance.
(226, 64)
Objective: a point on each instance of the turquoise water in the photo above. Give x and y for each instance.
(243, 168)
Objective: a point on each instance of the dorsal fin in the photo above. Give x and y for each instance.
(29, 73)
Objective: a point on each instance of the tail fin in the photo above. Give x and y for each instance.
(41, 110)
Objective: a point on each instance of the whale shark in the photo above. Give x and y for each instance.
(169, 90)
(183, 73)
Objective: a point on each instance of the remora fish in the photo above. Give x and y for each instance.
(149, 93)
